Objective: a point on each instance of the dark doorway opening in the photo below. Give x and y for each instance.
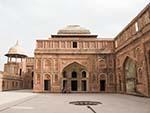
(102, 85)
(74, 74)
(74, 85)
(84, 85)
(74, 44)
(64, 83)
(46, 84)
(32, 84)
(20, 72)
(64, 90)
(32, 74)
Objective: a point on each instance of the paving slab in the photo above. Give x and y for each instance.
(59, 103)
(10, 96)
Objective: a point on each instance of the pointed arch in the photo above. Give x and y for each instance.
(74, 78)
(75, 64)
(129, 68)
(47, 82)
(47, 76)
(72, 67)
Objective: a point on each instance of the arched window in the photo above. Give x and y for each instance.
(83, 74)
(74, 74)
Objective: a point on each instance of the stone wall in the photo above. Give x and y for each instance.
(29, 73)
(133, 42)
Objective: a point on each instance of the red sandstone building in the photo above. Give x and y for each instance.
(74, 60)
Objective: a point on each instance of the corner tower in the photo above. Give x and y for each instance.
(14, 68)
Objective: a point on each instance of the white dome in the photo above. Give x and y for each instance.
(73, 29)
(16, 51)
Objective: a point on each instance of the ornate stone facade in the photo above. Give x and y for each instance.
(57, 54)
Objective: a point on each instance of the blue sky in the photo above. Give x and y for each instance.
(28, 20)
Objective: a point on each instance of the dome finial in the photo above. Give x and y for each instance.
(17, 43)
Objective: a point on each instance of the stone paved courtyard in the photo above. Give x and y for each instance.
(26, 102)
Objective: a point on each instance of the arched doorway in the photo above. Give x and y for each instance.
(102, 83)
(130, 75)
(47, 83)
(74, 81)
(74, 78)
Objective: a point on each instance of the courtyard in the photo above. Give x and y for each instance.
(25, 101)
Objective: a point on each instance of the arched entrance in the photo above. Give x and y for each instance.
(74, 78)
(74, 81)
(47, 83)
(102, 83)
(130, 75)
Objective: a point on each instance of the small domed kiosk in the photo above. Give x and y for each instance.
(16, 52)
